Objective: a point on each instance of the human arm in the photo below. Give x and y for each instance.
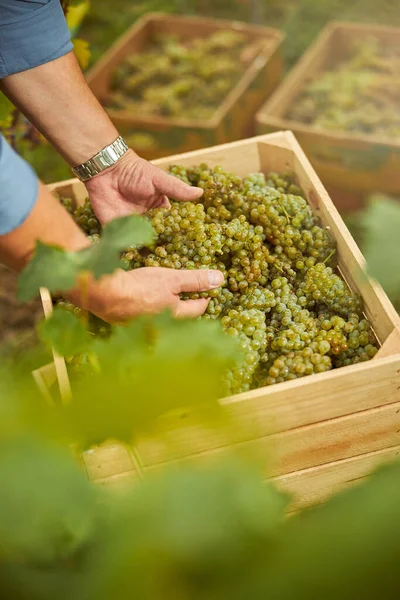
(29, 212)
(53, 94)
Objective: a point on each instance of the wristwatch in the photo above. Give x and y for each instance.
(107, 157)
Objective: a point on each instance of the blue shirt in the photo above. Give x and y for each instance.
(32, 33)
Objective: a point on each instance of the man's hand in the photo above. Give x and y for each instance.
(135, 185)
(149, 290)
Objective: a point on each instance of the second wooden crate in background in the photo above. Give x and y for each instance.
(351, 165)
(233, 120)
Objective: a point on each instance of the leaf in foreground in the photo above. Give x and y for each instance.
(64, 332)
(46, 503)
(58, 270)
(381, 225)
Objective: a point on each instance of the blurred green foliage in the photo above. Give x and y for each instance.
(188, 532)
(376, 230)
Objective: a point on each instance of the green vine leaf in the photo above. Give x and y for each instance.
(59, 517)
(149, 368)
(51, 267)
(65, 332)
(381, 227)
(103, 258)
(58, 270)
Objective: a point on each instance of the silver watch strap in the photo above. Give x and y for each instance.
(107, 157)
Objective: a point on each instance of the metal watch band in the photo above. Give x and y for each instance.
(107, 157)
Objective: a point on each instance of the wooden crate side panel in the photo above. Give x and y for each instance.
(291, 407)
(364, 165)
(308, 487)
(315, 486)
(70, 188)
(240, 157)
(290, 451)
(45, 378)
(390, 346)
(160, 139)
(59, 362)
(110, 460)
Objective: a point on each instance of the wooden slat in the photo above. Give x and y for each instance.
(59, 362)
(110, 459)
(297, 449)
(314, 486)
(44, 378)
(390, 346)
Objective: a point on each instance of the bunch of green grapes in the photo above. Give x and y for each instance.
(283, 299)
(361, 93)
(174, 78)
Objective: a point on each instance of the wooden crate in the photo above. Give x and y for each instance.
(315, 435)
(350, 165)
(233, 120)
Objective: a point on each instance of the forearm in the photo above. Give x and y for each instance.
(48, 222)
(57, 100)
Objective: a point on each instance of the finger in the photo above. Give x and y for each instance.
(199, 280)
(175, 188)
(165, 203)
(190, 309)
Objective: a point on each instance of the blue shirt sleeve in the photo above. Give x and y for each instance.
(32, 33)
(18, 188)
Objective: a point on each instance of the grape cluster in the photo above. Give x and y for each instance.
(361, 93)
(283, 299)
(172, 77)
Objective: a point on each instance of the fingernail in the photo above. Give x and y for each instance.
(215, 278)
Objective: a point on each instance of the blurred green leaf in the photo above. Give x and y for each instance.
(58, 270)
(150, 367)
(46, 503)
(75, 16)
(82, 52)
(381, 226)
(190, 533)
(50, 267)
(349, 548)
(64, 332)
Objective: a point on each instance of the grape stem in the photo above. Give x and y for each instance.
(330, 256)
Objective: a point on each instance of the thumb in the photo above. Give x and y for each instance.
(175, 188)
(199, 280)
